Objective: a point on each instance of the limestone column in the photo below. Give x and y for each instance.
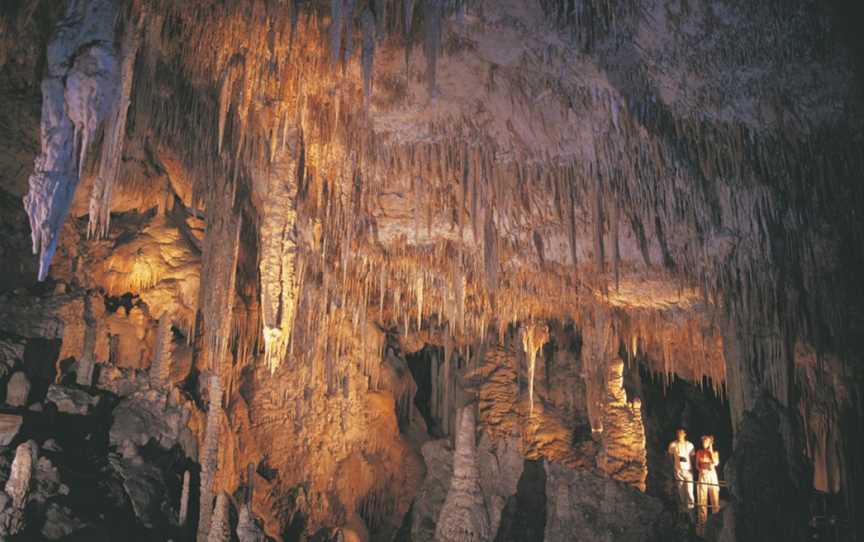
(464, 517)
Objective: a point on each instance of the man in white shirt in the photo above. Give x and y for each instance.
(681, 453)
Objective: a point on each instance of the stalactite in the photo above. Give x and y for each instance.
(490, 252)
(226, 92)
(432, 20)
(597, 221)
(76, 92)
(367, 23)
(209, 457)
(534, 336)
(276, 194)
(616, 247)
(115, 135)
(336, 22)
(408, 13)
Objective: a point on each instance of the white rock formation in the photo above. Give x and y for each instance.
(77, 93)
(184, 501)
(18, 485)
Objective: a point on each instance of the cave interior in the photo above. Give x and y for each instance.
(430, 270)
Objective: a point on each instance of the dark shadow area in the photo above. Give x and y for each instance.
(524, 516)
(420, 366)
(39, 363)
(78, 446)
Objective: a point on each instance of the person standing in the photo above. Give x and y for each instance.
(680, 452)
(707, 460)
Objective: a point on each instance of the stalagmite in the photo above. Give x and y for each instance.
(76, 95)
(18, 486)
(209, 458)
(220, 526)
(464, 517)
(184, 501)
(247, 528)
(160, 368)
(115, 135)
(87, 364)
(276, 192)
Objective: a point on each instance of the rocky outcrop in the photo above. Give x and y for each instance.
(151, 414)
(464, 517)
(582, 505)
(71, 400)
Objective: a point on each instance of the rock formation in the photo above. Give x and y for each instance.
(464, 516)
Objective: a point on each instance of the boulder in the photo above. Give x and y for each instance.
(18, 389)
(60, 522)
(10, 424)
(148, 414)
(71, 400)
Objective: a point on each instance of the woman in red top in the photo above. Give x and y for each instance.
(706, 461)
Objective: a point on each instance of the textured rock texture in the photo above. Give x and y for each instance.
(10, 424)
(581, 505)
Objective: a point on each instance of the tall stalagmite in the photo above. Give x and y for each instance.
(464, 517)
